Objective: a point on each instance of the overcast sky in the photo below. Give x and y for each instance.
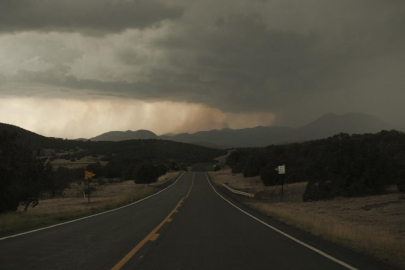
(79, 68)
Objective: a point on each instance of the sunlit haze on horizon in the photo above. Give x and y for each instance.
(74, 119)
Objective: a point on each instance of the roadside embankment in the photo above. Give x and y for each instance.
(374, 225)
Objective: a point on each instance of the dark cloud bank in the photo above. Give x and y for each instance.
(88, 16)
(299, 59)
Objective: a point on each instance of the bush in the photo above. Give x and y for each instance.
(316, 191)
(58, 180)
(269, 176)
(161, 169)
(146, 173)
(251, 169)
(100, 181)
(173, 165)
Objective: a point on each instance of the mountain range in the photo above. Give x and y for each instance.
(323, 127)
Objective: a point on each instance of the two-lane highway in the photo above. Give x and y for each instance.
(213, 232)
(190, 225)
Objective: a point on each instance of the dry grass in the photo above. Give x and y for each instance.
(236, 180)
(374, 225)
(70, 206)
(292, 192)
(170, 176)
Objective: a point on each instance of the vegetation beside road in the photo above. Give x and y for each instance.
(341, 165)
(32, 172)
(28, 174)
(104, 197)
(373, 225)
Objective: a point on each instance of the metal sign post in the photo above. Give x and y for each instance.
(88, 176)
(88, 190)
(281, 171)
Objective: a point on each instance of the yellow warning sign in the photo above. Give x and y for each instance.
(88, 175)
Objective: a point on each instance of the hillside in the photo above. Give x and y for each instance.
(31, 139)
(120, 154)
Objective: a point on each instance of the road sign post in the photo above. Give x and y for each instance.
(88, 190)
(281, 172)
(88, 176)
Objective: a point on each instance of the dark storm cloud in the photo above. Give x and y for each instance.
(245, 66)
(299, 59)
(89, 16)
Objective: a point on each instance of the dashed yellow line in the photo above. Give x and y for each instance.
(192, 183)
(152, 236)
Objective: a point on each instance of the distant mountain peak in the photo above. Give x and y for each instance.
(125, 135)
(331, 124)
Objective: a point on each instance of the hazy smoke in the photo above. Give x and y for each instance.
(77, 119)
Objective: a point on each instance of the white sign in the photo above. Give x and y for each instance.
(281, 169)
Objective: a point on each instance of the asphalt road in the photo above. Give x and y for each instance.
(189, 225)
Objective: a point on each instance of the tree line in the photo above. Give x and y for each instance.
(124, 156)
(341, 165)
(25, 176)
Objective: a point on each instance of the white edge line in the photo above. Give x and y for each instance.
(102, 213)
(283, 233)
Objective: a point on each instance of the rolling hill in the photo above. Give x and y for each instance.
(27, 137)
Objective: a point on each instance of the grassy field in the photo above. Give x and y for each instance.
(374, 225)
(80, 163)
(74, 205)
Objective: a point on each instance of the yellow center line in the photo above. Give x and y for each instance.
(154, 237)
(192, 183)
(151, 236)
